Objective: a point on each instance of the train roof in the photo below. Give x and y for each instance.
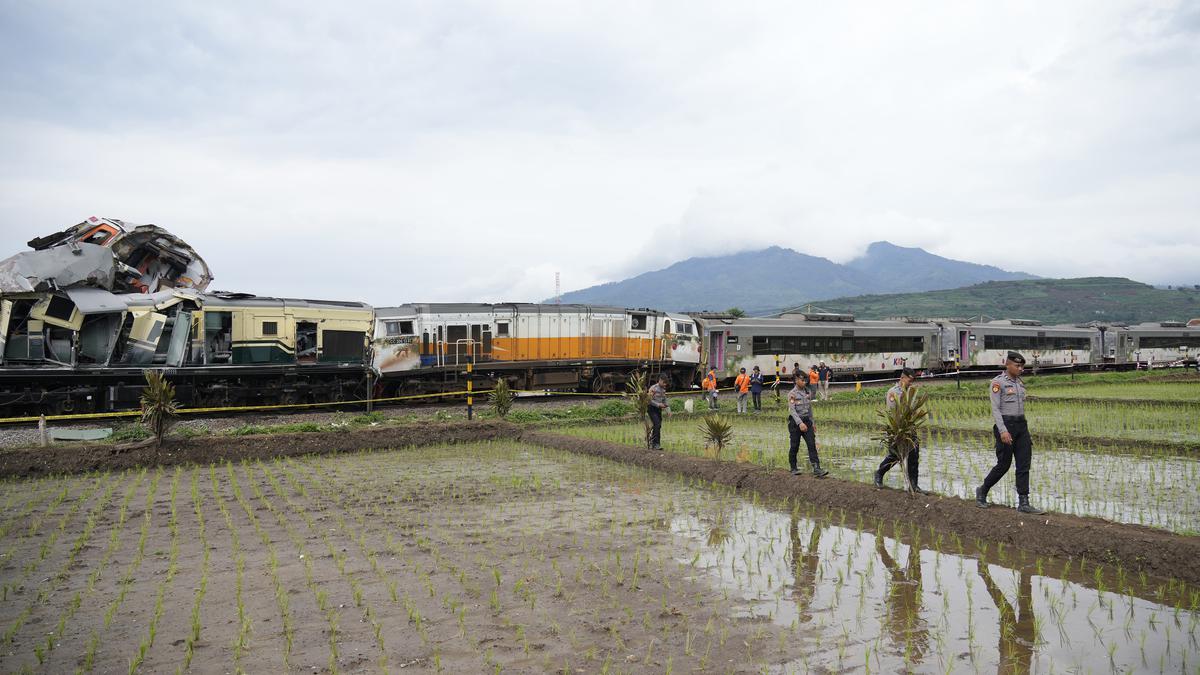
(99, 301)
(786, 323)
(544, 308)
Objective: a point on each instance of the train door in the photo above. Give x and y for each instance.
(306, 342)
(218, 337)
(716, 349)
(456, 343)
(964, 351)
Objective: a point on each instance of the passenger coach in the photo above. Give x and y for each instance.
(845, 345)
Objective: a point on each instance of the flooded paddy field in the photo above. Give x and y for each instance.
(1157, 489)
(512, 557)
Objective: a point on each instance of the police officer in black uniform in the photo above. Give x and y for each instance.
(800, 426)
(658, 405)
(907, 377)
(1011, 432)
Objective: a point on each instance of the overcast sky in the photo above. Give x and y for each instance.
(395, 151)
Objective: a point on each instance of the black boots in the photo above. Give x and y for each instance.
(981, 497)
(818, 472)
(878, 478)
(1024, 506)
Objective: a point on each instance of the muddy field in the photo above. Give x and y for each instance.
(509, 555)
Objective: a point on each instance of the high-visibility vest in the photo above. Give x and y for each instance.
(813, 377)
(710, 381)
(742, 383)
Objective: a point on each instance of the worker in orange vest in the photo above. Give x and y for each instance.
(814, 377)
(742, 386)
(710, 388)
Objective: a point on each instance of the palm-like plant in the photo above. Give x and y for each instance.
(901, 426)
(159, 406)
(717, 431)
(637, 392)
(501, 398)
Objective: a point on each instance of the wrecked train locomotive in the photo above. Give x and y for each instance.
(90, 307)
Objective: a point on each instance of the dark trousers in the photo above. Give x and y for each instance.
(655, 426)
(756, 396)
(810, 439)
(914, 461)
(1021, 448)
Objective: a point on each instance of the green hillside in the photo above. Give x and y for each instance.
(1047, 300)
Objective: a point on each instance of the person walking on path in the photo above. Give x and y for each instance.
(658, 405)
(826, 374)
(800, 425)
(756, 387)
(907, 377)
(1011, 433)
(742, 386)
(814, 377)
(710, 388)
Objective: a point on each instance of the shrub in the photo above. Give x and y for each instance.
(159, 407)
(501, 398)
(639, 395)
(717, 431)
(900, 429)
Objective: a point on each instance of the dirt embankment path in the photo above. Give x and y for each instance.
(28, 462)
(1136, 547)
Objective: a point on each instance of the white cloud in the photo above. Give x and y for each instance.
(467, 152)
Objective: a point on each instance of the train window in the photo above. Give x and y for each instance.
(270, 328)
(637, 322)
(60, 308)
(399, 327)
(666, 325)
(501, 329)
(1156, 342)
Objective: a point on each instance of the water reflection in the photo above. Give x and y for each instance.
(1018, 630)
(805, 564)
(865, 599)
(904, 621)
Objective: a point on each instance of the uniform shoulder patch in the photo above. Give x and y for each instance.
(995, 388)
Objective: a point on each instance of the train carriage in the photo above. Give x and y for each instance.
(1158, 342)
(84, 349)
(986, 344)
(847, 346)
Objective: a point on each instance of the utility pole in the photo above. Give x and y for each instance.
(557, 289)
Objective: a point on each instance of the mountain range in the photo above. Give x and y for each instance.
(777, 278)
(1105, 299)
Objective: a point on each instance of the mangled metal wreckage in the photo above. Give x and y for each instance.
(89, 307)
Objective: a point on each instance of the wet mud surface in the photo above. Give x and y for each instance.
(61, 459)
(1138, 548)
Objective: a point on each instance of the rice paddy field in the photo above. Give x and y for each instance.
(503, 557)
(1126, 461)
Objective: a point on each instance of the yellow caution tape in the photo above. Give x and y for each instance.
(241, 408)
(293, 406)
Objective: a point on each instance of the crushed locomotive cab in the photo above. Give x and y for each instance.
(109, 254)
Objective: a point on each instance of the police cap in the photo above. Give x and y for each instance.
(908, 372)
(1016, 357)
